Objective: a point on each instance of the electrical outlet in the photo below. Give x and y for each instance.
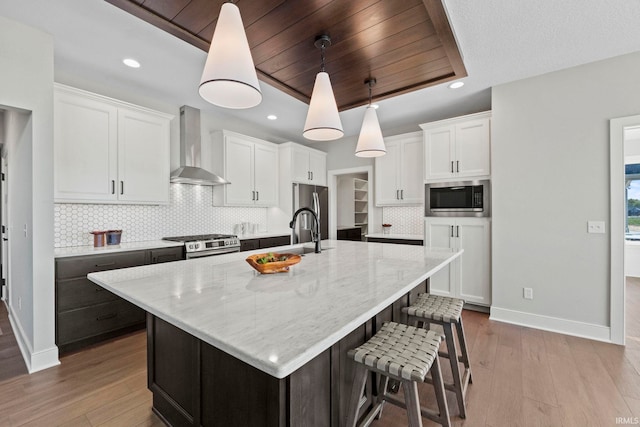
(595, 227)
(528, 293)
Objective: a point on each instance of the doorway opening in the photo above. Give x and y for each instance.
(351, 208)
(625, 228)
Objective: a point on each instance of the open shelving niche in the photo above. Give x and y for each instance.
(361, 203)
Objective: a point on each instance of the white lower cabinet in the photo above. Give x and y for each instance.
(468, 277)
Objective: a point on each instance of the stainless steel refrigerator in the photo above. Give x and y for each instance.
(316, 198)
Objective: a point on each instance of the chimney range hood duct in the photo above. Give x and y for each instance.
(190, 171)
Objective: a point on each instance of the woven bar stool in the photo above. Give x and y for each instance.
(447, 312)
(405, 354)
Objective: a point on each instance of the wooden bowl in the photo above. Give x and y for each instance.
(273, 267)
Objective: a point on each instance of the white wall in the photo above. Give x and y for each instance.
(550, 175)
(26, 83)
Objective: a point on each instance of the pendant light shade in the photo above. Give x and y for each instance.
(370, 141)
(229, 78)
(323, 121)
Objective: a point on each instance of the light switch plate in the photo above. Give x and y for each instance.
(595, 227)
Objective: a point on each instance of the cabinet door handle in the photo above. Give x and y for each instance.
(451, 166)
(397, 194)
(311, 175)
(457, 165)
(113, 186)
(257, 196)
(121, 187)
(451, 230)
(107, 316)
(457, 231)
(106, 265)
(253, 195)
(401, 194)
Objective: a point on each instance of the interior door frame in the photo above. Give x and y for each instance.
(617, 195)
(332, 181)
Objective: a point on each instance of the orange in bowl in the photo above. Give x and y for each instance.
(273, 262)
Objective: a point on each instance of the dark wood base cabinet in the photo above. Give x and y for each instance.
(87, 313)
(195, 384)
(264, 243)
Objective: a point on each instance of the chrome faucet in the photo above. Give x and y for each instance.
(315, 228)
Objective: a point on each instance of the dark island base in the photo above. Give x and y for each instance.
(195, 384)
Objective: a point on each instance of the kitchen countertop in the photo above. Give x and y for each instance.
(278, 322)
(123, 247)
(396, 236)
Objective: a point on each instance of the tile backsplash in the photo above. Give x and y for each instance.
(404, 219)
(189, 211)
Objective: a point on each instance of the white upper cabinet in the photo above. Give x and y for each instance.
(307, 165)
(399, 172)
(143, 164)
(251, 167)
(107, 151)
(458, 148)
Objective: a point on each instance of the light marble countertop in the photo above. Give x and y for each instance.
(107, 249)
(278, 322)
(396, 236)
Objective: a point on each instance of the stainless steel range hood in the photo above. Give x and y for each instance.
(190, 171)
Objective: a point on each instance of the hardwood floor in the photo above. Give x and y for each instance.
(521, 377)
(11, 361)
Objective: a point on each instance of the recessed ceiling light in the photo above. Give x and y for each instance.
(272, 117)
(129, 62)
(456, 85)
(376, 106)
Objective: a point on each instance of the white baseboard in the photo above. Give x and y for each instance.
(35, 361)
(552, 324)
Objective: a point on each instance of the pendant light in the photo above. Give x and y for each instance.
(370, 141)
(323, 121)
(229, 78)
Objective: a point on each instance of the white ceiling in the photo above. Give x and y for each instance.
(500, 40)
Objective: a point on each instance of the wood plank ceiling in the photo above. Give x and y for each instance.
(405, 44)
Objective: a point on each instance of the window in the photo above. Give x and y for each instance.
(632, 226)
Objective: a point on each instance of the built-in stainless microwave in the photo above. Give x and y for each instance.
(464, 198)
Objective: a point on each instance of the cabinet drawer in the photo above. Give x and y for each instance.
(270, 242)
(249, 245)
(83, 265)
(86, 322)
(79, 293)
(158, 256)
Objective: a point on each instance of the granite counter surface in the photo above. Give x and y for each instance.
(278, 322)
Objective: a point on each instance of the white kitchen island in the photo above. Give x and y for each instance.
(228, 346)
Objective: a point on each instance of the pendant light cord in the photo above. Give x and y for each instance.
(322, 57)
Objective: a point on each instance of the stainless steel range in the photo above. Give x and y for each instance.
(202, 245)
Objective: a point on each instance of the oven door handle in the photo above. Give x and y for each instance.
(212, 253)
